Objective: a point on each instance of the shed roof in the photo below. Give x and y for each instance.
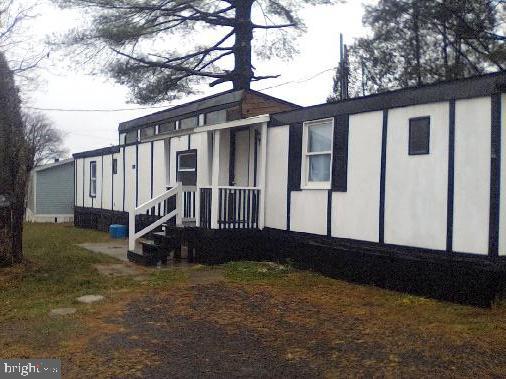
(54, 164)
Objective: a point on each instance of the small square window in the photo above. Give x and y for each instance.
(114, 166)
(419, 136)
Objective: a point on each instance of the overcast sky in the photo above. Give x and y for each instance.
(64, 87)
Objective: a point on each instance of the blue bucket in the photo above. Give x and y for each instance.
(118, 231)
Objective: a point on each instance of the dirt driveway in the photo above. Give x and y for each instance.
(289, 325)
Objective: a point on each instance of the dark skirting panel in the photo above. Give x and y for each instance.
(468, 280)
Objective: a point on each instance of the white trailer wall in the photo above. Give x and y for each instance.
(416, 188)
(472, 175)
(159, 174)
(107, 182)
(355, 213)
(118, 183)
(144, 172)
(130, 172)
(502, 207)
(276, 177)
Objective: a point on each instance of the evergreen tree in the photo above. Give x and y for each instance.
(415, 42)
(13, 169)
(153, 46)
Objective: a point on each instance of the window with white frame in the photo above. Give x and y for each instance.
(317, 153)
(93, 179)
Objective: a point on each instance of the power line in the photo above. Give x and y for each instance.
(300, 80)
(166, 106)
(96, 110)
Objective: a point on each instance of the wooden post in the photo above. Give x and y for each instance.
(179, 207)
(197, 207)
(215, 180)
(263, 174)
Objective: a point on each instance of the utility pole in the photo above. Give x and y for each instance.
(344, 70)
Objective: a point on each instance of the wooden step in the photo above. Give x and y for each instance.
(142, 259)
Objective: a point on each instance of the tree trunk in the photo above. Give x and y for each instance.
(243, 70)
(445, 41)
(418, 52)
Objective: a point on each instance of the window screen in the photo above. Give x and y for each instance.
(216, 117)
(166, 127)
(318, 151)
(419, 135)
(187, 161)
(188, 123)
(147, 132)
(131, 136)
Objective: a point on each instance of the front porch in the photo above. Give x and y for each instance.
(218, 185)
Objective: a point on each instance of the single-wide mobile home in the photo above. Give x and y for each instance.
(51, 193)
(414, 172)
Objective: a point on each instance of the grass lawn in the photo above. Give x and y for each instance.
(240, 319)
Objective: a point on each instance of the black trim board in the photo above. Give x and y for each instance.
(112, 180)
(340, 153)
(152, 166)
(451, 178)
(478, 86)
(136, 175)
(231, 158)
(495, 176)
(329, 213)
(295, 157)
(383, 177)
(124, 178)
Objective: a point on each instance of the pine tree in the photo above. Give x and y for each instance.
(415, 42)
(149, 43)
(13, 169)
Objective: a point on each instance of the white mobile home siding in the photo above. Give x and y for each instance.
(107, 182)
(472, 175)
(355, 213)
(277, 177)
(416, 185)
(502, 207)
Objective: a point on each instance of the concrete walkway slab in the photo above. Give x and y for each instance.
(116, 249)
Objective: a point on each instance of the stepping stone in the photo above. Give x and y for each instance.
(88, 299)
(62, 311)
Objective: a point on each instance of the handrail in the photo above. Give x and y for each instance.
(231, 187)
(151, 203)
(239, 188)
(133, 235)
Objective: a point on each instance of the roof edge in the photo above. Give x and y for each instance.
(97, 152)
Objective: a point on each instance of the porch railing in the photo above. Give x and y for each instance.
(206, 194)
(238, 207)
(161, 211)
(188, 203)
